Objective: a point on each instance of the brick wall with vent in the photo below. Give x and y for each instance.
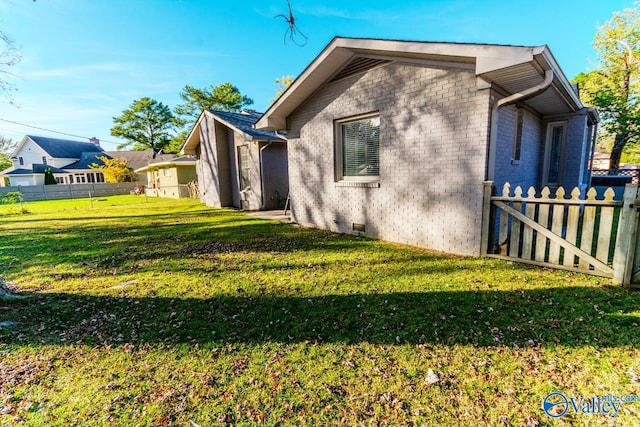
(433, 141)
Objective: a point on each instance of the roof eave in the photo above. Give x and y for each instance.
(567, 89)
(193, 139)
(340, 50)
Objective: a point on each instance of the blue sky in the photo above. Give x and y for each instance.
(85, 61)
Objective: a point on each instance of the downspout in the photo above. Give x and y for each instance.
(594, 138)
(263, 201)
(511, 99)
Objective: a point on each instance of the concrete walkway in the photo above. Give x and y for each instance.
(277, 215)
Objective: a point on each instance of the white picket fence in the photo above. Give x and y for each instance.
(594, 234)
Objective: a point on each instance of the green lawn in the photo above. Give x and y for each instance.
(167, 312)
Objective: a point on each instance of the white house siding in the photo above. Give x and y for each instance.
(31, 153)
(433, 139)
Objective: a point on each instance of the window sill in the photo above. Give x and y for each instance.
(515, 162)
(358, 184)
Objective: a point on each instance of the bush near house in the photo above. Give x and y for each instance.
(171, 313)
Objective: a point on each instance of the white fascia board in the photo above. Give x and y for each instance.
(21, 144)
(192, 140)
(324, 66)
(169, 163)
(337, 53)
(561, 77)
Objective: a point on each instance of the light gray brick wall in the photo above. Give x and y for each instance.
(433, 141)
(574, 151)
(525, 172)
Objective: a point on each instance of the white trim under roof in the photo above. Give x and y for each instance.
(174, 162)
(486, 60)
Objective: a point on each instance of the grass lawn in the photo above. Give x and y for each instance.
(166, 312)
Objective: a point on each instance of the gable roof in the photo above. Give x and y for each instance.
(244, 122)
(61, 148)
(511, 69)
(241, 122)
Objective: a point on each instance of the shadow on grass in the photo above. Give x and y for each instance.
(573, 316)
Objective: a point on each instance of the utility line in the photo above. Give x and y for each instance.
(55, 131)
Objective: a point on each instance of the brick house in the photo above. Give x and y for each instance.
(394, 139)
(238, 165)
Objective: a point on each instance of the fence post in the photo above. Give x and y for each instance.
(486, 217)
(624, 253)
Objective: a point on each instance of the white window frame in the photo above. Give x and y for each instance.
(547, 153)
(339, 166)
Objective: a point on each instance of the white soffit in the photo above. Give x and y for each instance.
(513, 68)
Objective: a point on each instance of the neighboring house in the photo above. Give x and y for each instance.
(68, 160)
(140, 159)
(394, 139)
(238, 166)
(173, 178)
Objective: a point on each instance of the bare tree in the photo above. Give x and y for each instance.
(8, 58)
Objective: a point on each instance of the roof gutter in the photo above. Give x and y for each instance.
(511, 99)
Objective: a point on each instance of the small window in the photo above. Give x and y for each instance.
(244, 166)
(60, 179)
(21, 160)
(517, 141)
(80, 178)
(167, 172)
(358, 148)
(554, 150)
(99, 177)
(44, 160)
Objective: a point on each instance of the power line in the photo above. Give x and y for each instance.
(55, 131)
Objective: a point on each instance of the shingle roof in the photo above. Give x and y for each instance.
(244, 122)
(20, 172)
(88, 159)
(64, 148)
(37, 168)
(138, 159)
(40, 168)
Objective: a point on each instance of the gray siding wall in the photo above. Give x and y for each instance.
(218, 168)
(207, 165)
(433, 141)
(526, 172)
